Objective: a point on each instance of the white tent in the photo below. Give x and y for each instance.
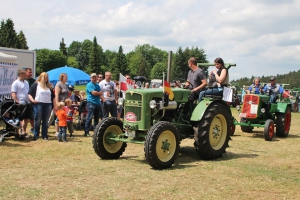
(11, 59)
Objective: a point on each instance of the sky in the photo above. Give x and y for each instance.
(261, 36)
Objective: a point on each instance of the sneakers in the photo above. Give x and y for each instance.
(26, 135)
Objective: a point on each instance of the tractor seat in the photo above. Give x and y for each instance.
(216, 97)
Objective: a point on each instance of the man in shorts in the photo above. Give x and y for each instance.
(19, 89)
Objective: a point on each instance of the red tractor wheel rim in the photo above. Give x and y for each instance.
(271, 130)
(287, 122)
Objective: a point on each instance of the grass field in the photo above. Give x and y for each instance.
(252, 168)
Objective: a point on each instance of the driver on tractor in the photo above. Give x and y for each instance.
(196, 80)
(273, 89)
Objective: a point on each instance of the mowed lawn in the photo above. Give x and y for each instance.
(252, 168)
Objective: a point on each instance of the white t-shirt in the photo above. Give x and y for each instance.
(21, 89)
(108, 89)
(42, 96)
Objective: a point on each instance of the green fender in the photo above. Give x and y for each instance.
(281, 107)
(199, 110)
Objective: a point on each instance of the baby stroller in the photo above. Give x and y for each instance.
(82, 114)
(9, 119)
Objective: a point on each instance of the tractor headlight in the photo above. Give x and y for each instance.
(263, 110)
(120, 101)
(152, 104)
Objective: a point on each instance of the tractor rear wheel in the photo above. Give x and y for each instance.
(103, 146)
(283, 123)
(269, 130)
(246, 129)
(162, 145)
(213, 132)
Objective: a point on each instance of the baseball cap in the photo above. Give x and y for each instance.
(93, 74)
(272, 78)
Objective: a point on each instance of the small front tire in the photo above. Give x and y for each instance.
(269, 130)
(103, 147)
(162, 145)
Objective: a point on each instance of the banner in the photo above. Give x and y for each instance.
(8, 72)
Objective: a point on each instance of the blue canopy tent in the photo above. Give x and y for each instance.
(75, 76)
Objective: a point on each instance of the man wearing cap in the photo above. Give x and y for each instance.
(93, 93)
(272, 89)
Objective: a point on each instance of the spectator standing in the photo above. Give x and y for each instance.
(94, 93)
(61, 93)
(298, 101)
(70, 115)
(30, 81)
(19, 89)
(110, 95)
(29, 78)
(43, 99)
(62, 122)
(99, 78)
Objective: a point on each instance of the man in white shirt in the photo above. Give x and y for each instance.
(110, 94)
(19, 92)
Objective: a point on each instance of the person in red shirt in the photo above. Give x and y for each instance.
(70, 114)
(62, 122)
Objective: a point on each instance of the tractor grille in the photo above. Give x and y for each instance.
(250, 105)
(133, 103)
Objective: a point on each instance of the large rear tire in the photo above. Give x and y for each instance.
(213, 134)
(269, 130)
(283, 123)
(162, 145)
(105, 148)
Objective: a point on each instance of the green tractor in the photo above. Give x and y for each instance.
(158, 123)
(257, 111)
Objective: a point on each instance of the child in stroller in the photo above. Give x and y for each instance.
(82, 114)
(9, 114)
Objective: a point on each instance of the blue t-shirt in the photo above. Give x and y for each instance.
(257, 89)
(90, 97)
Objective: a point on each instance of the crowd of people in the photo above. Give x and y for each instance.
(102, 93)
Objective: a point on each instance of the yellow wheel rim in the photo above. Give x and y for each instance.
(112, 147)
(166, 146)
(218, 132)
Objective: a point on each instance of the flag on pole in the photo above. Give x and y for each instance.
(168, 90)
(125, 84)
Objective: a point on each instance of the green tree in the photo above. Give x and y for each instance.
(63, 47)
(71, 61)
(22, 42)
(158, 70)
(74, 48)
(47, 60)
(8, 35)
(83, 56)
(95, 57)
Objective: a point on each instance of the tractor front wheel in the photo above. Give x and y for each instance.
(269, 130)
(213, 134)
(103, 146)
(283, 123)
(162, 145)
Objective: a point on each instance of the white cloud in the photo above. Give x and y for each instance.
(262, 37)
